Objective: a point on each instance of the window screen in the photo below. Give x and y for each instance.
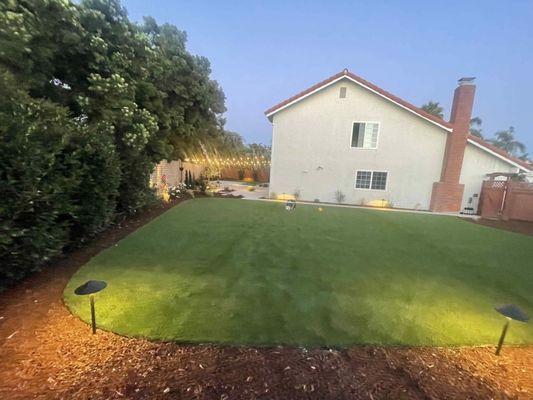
(379, 180)
(365, 135)
(362, 180)
(371, 180)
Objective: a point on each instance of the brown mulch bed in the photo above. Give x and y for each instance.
(45, 352)
(523, 227)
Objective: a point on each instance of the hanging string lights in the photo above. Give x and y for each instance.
(231, 161)
(246, 158)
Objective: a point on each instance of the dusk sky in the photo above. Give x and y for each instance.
(262, 52)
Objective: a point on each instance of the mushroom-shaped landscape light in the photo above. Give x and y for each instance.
(290, 205)
(509, 311)
(90, 288)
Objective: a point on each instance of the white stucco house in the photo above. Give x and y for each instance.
(346, 134)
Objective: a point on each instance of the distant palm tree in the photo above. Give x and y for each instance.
(475, 127)
(506, 140)
(434, 108)
(525, 157)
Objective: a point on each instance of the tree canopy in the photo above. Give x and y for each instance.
(504, 139)
(434, 108)
(90, 103)
(475, 127)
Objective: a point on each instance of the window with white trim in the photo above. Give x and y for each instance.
(362, 180)
(365, 135)
(375, 180)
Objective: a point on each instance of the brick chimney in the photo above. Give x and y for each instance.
(448, 192)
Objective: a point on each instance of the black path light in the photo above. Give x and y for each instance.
(90, 288)
(290, 205)
(181, 170)
(509, 311)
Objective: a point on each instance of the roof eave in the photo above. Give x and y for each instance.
(510, 160)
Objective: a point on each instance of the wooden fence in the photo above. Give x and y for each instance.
(506, 200)
(171, 173)
(259, 174)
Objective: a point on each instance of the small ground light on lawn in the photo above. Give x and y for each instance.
(290, 205)
(90, 288)
(509, 311)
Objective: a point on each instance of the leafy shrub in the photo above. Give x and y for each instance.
(190, 180)
(89, 103)
(177, 191)
(97, 169)
(134, 189)
(202, 185)
(59, 180)
(36, 181)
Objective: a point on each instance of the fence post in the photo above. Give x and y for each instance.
(504, 198)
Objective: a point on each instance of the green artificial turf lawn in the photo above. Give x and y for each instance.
(249, 272)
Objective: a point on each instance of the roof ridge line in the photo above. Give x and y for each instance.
(361, 81)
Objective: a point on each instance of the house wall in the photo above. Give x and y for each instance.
(311, 149)
(476, 165)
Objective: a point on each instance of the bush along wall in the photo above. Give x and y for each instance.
(89, 103)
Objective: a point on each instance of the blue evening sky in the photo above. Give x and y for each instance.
(265, 51)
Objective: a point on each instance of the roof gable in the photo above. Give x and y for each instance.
(365, 84)
(447, 126)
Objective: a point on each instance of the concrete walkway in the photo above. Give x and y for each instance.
(240, 188)
(261, 194)
(448, 214)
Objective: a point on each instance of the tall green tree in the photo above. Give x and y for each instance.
(506, 140)
(475, 127)
(525, 157)
(139, 81)
(90, 103)
(434, 108)
(259, 150)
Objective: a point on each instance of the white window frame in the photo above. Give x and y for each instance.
(345, 92)
(372, 176)
(364, 148)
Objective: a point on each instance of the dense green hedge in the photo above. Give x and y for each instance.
(59, 181)
(89, 102)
